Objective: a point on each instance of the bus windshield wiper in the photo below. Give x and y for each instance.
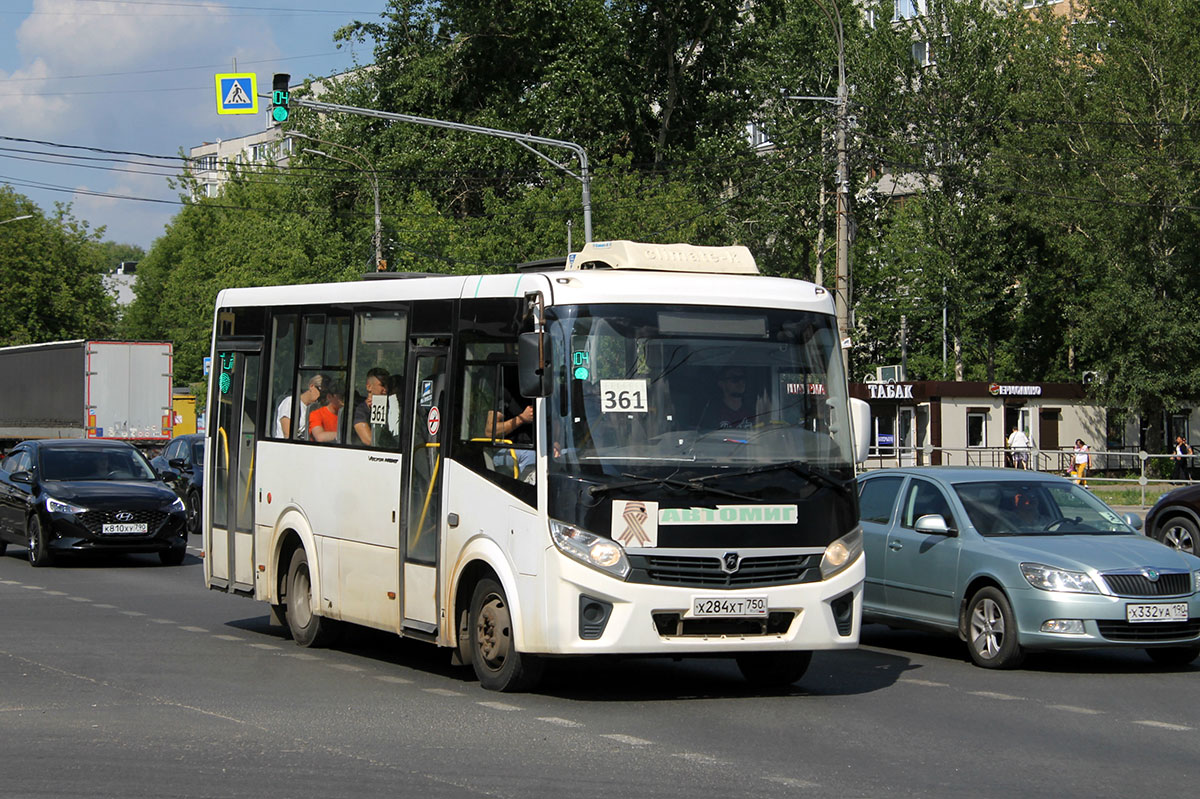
(809, 473)
(687, 485)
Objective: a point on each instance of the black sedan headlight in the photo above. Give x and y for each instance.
(58, 506)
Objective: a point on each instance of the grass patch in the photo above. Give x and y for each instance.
(1126, 494)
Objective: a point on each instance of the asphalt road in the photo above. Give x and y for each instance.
(123, 678)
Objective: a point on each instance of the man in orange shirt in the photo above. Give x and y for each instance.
(323, 422)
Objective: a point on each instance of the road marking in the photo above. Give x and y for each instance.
(193, 629)
(559, 722)
(79, 599)
(229, 638)
(441, 691)
(161, 621)
(256, 646)
(792, 782)
(345, 667)
(994, 695)
(393, 680)
(107, 607)
(301, 656)
(1162, 725)
(33, 587)
(132, 613)
(700, 760)
(926, 683)
(627, 739)
(499, 706)
(56, 593)
(10, 582)
(1086, 711)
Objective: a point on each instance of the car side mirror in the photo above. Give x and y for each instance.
(23, 477)
(860, 419)
(1133, 520)
(179, 464)
(934, 524)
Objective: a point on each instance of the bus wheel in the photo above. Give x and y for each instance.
(308, 629)
(498, 664)
(773, 669)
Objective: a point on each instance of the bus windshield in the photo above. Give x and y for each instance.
(672, 385)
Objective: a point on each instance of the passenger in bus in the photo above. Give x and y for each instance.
(283, 413)
(730, 410)
(323, 422)
(377, 392)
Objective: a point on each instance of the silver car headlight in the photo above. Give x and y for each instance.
(58, 506)
(590, 549)
(1048, 578)
(841, 553)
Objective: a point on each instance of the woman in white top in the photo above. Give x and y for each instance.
(1082, 461)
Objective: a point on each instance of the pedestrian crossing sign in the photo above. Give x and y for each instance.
(236, 93)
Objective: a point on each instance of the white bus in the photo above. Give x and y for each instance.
(647, 452)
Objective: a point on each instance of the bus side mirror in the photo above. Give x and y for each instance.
(860, 416)
(534, 374)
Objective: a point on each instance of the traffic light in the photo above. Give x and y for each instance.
(279, 97)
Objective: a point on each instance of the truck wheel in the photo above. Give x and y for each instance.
(39, 550)
(773, 669)
(308, 629)
(498, 664)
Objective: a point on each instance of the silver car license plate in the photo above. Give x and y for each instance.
(709, 606)
(1164, 611)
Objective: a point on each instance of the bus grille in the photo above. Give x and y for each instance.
(1149, 631)
(1137, 584)
(705, 572)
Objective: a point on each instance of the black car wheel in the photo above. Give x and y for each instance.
(1179, 532)
(992, 631)
(173, 556)
(193, 512)
(39, 549)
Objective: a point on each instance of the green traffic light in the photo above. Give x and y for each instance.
(279, 113)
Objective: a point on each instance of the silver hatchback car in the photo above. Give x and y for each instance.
(1014, 560)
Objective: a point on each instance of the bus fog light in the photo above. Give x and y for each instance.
(1063, 626)
(590, 549)
(841, 553)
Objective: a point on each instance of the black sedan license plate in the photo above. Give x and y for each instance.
(134, 528)
(1159, 611)
(709, 606)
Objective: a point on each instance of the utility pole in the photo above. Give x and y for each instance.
(522, 139)
(843, 283)
(380, 265)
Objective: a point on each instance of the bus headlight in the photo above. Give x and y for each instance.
(590, 549)
(841, 553)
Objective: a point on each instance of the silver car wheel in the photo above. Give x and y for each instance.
(987, 629)
(1178, 536)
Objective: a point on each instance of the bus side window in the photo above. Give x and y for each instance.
(378, 379)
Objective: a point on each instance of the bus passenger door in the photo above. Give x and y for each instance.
(423, 481)
(229, 548)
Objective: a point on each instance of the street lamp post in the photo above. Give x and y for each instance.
(371, 174)
(17, 218)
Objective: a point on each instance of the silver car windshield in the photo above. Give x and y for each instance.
(1028, 507)
(702, 385)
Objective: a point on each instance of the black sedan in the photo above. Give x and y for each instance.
(1175, 519)
(62, 496)
(181, 466)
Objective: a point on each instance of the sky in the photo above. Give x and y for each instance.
(79, 78)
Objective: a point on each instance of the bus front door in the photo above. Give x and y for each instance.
(423, 505)
(229, 498)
